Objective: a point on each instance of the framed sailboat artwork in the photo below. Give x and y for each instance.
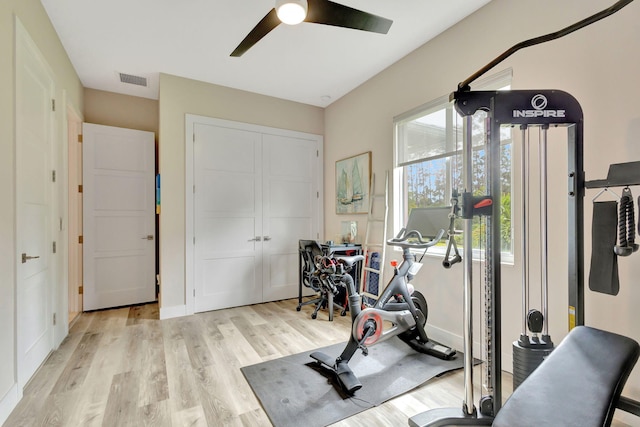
(353, 178)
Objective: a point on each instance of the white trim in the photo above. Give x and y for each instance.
(189, 285)
(68, 110)
(320, 188)
(61, 329)
(421, 110)
(8, 402)
(445, 337)
(174, 311)
(456, 342)
(190, 121)
(499, 79)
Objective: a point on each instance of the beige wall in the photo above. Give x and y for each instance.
(598, 65)
(179, 96)
(114, 109)
(35, 20)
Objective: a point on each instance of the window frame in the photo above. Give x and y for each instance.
(497, 81)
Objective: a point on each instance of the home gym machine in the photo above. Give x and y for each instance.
(523, 109)
(400, 311)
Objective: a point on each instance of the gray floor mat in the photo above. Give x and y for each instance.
(296, 391)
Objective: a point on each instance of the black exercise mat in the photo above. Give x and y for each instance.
(296, 391)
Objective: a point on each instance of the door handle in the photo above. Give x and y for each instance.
(255, 239)
(149, 237)
(26, 257)
(267, 238)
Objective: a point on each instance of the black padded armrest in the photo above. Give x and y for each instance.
(579, 384)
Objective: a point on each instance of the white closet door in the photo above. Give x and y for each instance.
(256, 192)
(227, 217)
(290, 209)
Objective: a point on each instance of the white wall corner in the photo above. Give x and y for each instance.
(174, 311)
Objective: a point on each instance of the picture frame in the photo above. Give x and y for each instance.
(353, 181)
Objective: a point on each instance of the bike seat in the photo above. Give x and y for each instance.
(349, 261)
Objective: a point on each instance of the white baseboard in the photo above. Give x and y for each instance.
(457, 342)
(507, 360)
(8, 403)
(174, 311)
(445, 337)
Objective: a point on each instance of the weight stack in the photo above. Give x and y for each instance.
(528, 354)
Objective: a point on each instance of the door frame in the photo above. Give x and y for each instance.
(72, 199)
(190, 121)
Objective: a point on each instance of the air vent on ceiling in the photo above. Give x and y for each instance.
(134, 80)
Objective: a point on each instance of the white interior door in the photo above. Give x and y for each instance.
(290, 209)
(118, 216)
(227, 220)
(35, 130)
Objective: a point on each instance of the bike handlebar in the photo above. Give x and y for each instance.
(402, 239)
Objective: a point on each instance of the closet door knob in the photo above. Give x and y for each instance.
(267, 238)
(255, 239)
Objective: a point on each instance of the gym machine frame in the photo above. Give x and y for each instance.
(522, 108)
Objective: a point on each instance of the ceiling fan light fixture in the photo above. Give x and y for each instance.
(291, 12)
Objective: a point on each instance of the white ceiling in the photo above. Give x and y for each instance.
(308, 63)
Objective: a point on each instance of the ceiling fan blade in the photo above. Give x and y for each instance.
(266, 24)
(330, 13)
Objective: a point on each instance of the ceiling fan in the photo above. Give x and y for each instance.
(315, 11)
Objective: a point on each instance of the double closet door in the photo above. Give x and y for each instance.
(256, 191)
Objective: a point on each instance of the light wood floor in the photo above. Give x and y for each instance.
(124, 367)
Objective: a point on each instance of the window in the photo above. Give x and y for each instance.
(428, 159)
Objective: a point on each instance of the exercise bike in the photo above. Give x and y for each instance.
(399, 305)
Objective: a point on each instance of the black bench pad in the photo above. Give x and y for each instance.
(579, 384)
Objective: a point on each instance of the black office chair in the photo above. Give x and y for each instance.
(309, 250)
